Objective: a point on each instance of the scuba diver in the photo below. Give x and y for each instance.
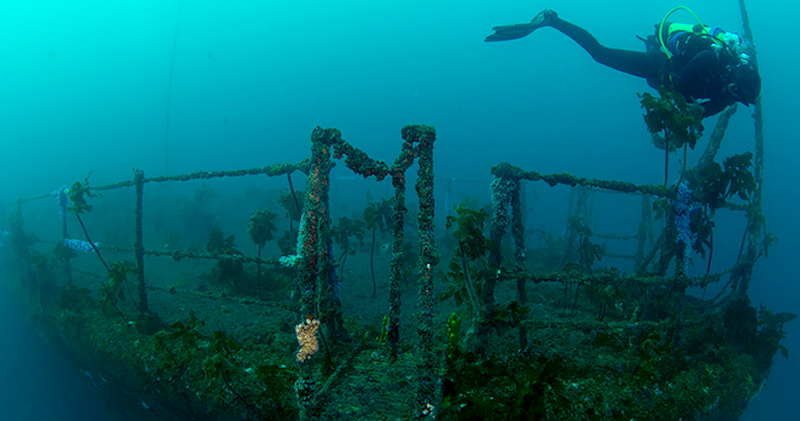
(700, 62)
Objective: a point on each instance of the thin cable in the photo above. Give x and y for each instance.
(169, 90)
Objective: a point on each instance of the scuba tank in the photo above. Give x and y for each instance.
(674, 38)
(674, 44)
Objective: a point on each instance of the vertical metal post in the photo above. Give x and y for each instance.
(398, 173)
(138, 180)
(328, 302)
(315, 281)
(396, 274)
(501, 187)
(67, 264)
(518, 231)
(641, 232)
(61, 195)
(428, 258)
(755, 226)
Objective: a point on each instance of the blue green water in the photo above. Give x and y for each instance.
(85, 86)
(38, 382)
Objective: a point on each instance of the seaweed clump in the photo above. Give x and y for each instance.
(260, 229)
(228, 269)
(678, 121)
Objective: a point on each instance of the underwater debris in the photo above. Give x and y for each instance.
(61, 196)
(80, 245)
(633, 346)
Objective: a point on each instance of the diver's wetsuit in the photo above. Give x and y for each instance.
(697, 73)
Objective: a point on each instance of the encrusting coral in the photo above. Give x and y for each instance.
(307, 338)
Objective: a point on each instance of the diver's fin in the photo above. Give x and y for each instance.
(519, 30)
(507, 32)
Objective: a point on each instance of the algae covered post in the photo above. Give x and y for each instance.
(427, 349)
(506, 190)
(518, 232)
(399, 168)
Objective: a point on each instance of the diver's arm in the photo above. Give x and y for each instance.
(713, 106)
(696, 74)
(698, 79)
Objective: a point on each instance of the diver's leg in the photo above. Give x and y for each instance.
(632, 62)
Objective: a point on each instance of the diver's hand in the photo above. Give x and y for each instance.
(695, 108)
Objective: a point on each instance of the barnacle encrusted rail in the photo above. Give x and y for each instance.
(505, 170)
